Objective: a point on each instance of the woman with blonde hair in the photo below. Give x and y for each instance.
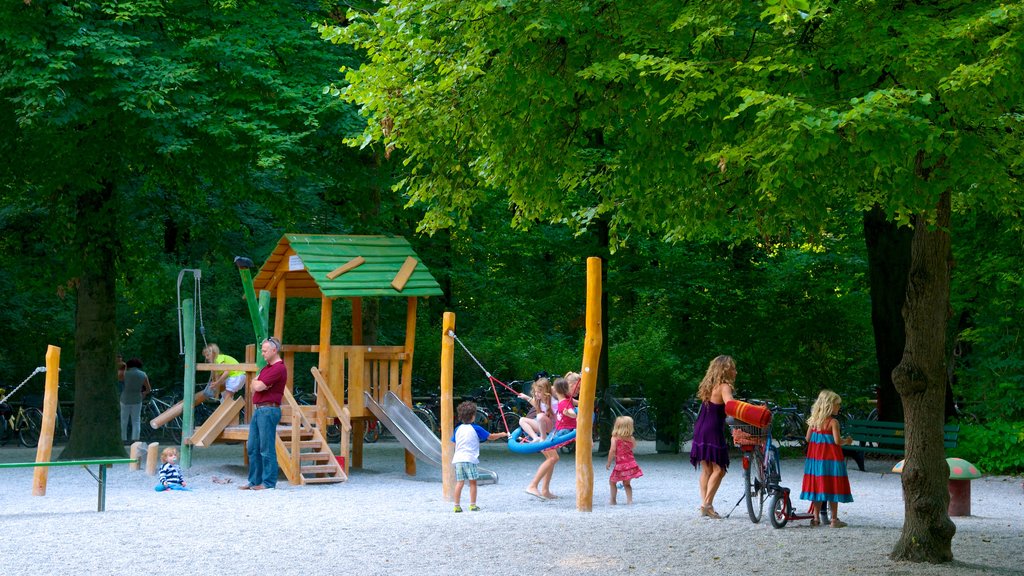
(709, 448)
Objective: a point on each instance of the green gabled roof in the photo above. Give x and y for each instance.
(318, 255)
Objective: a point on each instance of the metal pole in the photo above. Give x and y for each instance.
(102, 504)
(188, 409)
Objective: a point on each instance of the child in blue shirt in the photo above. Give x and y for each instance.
(467, 439)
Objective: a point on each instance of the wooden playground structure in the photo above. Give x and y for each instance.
(327, 267)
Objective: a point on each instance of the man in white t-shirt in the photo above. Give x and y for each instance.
(467, 439)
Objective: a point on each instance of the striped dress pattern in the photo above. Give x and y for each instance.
(825, 477)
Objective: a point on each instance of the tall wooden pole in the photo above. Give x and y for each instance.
(45, 447)
(447, 410)
(591, 358)
(282, 297)
(189, 383)
(410, 346)
(358, 418)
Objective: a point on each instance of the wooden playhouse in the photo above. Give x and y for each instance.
(350, 268)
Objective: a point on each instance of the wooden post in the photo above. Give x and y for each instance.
(135, 453)
(357, 321)
(591, 358)
(356, 386)
(410, 345)
(358, 420)
(279, 310)
(152, 458)
(189, 384)
(45, 446)
(326, 309)
(447, 410)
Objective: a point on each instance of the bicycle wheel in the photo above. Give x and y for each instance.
(685, 429)
(427, 418)
(757, 488)
(780, 508)
(173, 430)
(643, 424)
(333, 432)
(372, 433)
(30, 422)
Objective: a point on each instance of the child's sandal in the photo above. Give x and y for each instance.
(815, 522)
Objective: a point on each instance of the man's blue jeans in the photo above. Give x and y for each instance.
(262, 455)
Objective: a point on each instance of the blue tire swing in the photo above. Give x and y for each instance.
(515, 443)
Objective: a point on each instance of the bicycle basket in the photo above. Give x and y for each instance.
(747, 435)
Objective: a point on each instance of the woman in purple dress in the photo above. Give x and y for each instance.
(709, 448)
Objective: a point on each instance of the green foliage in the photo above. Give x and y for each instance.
(995, 448)
(989, 304)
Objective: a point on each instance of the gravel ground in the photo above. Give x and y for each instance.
(384, 522)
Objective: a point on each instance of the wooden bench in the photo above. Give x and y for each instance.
(878, 437)
(101, 479)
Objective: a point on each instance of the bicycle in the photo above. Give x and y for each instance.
(762, 477)
(155, 404)
(21, 420)
(687, 419)
(636, 408)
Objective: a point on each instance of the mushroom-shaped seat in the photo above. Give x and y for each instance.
(961, 472)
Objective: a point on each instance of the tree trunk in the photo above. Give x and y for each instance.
(920, 379)
(888, 266)
(97, 409)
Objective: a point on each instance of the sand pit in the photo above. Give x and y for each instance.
(383, 522)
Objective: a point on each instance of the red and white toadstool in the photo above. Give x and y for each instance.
(961, 472)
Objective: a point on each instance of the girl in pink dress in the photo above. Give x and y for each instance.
(621, 452)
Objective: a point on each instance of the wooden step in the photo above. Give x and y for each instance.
(319, 469)
(325, 480)
(315, 456)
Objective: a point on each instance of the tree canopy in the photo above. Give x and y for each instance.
(738, 120)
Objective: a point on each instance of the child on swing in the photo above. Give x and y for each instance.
(565, 412)
(565, 422)
(541, 419)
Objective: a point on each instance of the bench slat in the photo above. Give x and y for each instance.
(67, 463)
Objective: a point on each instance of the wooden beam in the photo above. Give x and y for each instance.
(410, 344)
(357, 322)
(404, 273)
(353, 263)
(591, 359)
(447, 415)
(225, 414)
(207, 367)
(279, 310)
(326, 309)
(45, 446)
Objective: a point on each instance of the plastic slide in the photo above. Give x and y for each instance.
(412, 433)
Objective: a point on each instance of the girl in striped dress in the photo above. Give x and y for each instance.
(825, 477)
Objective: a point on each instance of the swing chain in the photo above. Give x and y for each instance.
(197, 290)
(451, 333)
(491, 380)
(23, 382)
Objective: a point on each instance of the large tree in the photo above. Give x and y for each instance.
(126, 116)
(775, 121)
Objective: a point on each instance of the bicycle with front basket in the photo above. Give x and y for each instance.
(762, 477)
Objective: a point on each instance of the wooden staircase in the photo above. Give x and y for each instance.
(302, 451)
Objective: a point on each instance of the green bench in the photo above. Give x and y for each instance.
(101, 479)
(878, 437)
